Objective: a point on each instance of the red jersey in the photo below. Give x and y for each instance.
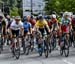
(54, 21)
(33, 22)
(73, 21)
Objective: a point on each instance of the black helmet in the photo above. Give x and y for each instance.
(61, 13)
(40, 17)
(32, 17)
(24, 18)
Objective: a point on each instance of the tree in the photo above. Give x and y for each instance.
(60, 5)
(14, 5)
(14, 12)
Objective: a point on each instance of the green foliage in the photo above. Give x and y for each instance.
(15, 6)
(12, 3)
(60, 5)
(14, 12)
(20, 11)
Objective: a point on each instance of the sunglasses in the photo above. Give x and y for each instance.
(17, 19)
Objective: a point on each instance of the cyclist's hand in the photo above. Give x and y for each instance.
(49, 31)
(28, 33)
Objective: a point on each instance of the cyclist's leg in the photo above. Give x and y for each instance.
(68, 34)
(12, 35)
(17, 35)
(4, 35)
(42, 31)
(46, 30)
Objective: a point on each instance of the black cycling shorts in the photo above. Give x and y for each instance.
(42, 30)
(15, 32)
(73, 28)
(4, 32)
(25, 33)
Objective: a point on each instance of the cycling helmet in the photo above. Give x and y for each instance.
(32, 17)
(18, 17)
(40, 17)
(53, 16)
(61, 13)
(24, 18)
(66, 14)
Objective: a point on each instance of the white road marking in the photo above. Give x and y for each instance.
(67, 62)
(34, 62)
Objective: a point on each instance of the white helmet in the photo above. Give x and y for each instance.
(66, 13)
(18, 17)
(53, 16)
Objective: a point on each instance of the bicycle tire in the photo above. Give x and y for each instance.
(17, 53)
(46, 53)
(66, 52)
(61, 51)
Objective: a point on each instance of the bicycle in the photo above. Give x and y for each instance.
(43, 45)
(27, 45)
(64, 45)
(46, 46)
(15, 47)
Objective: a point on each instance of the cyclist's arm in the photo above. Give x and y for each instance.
(10, 30)
(46, 24)
(30, 28)
(52, 28)
(57, 24)
(21, 28)
(37, 25)
(11, 27)
(4, 26)
(70, 24)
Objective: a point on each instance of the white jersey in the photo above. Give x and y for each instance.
(15, 26)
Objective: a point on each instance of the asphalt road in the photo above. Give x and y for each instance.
(33, 58)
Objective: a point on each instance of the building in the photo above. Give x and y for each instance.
(36, 6)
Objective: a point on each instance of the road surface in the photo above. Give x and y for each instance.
(33, 58)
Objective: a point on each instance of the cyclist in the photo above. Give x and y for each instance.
(27, 26)
(27, 31)
(54, 26)
(16, 27)
(54, 22)
(73, 27)
(4, 25)
(8, 21)
(3, 29)
(31, 20)
(60, 17)
(73, 23)
(50, 22)
(41, 24)
(65, 25)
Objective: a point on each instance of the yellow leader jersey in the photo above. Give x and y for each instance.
(41, 24)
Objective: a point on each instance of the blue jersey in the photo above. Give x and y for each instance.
(26, 26)
(65, 21)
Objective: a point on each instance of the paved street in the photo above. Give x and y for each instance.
(33, 58)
